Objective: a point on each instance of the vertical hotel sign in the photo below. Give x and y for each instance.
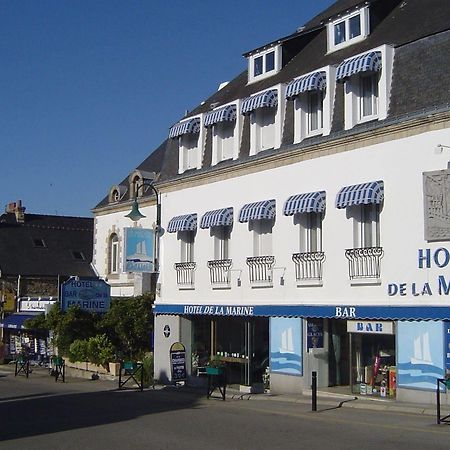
(139, 250)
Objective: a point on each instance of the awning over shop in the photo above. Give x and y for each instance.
(217, 218)
(305, 203)
(185, 127)
(349, 312)
(264, 99)
(224, 114)
(187, 222)
(368, 62)
(16, 321)
(360, 194)
(257, 211)
(316, 81)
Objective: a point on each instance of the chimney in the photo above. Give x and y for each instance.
(17, 209)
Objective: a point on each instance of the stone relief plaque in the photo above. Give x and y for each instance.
(436, 187)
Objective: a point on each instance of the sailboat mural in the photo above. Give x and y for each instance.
(286, 345)
(420, 354)
(138, 250)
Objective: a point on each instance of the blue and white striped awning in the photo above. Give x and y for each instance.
(368, 62)
(264, 99)
(187, 126)
(217, 218)
(360, 194)
(316, 81)
(305, 203)
(224, 114)
(187, 222)
(257, 211)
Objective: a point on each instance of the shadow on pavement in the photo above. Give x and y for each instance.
(36, 416)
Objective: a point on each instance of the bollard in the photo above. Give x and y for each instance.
(314, 391)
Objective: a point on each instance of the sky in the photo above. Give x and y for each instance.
(89, 88)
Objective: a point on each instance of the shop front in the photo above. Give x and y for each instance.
(388, 352)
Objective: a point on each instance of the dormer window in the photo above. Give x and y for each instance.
(117, 193)
(348, 29)
(264, 63)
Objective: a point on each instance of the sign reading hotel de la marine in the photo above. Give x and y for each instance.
(90, 295)
(436, 189)
(138, 252)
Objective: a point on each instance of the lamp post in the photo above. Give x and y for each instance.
(135, 215)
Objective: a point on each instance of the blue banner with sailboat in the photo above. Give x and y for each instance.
(420, 354)
(138, 251)
(286, 346)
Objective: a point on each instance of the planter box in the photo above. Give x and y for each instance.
(215, 370)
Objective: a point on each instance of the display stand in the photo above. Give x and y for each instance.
(131, 371)
(22, 366)
(217, 379)
(446, 383)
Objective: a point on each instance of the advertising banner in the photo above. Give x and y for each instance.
(139, 250)
(178, 361)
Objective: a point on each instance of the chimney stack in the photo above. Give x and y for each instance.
(18, 210)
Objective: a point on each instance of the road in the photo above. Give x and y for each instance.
(37, 413)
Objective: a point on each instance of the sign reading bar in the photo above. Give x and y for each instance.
(370, 326)
(178, 361)
(88, 294)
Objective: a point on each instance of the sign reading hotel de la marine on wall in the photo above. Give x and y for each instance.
(138, 251)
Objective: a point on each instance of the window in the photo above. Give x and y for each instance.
(366, 225)
(262, 129)
(348, 29)
(187, 245)
(368, 96)
(315, 111)
(221, 236)
(223, 140)
(265, 63)
(310, 232)
(262, 236)
(113, 254)
(189, 150)
(39, 243)
(78, 255)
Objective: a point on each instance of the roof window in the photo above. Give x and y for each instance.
(264, 63)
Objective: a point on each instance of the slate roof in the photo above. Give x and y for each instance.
(419, 32)
(61, 235)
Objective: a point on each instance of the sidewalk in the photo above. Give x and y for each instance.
(325, 400)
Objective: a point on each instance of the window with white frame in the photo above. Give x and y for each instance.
(368, 96)
(310, 231)
(262, 236)
(315, 112)
(187, 245)
(189, 150)
(263, 129)
(221, 235)
(348, 29)
(366, 225)
(223, 140)
(113, 254)
(264, 63)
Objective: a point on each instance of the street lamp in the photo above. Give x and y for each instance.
(135, 215)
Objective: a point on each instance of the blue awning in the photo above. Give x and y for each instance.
(360, 194)
(187, 126)
(316, 81)
(350, 312)
(257, 211)
(16, 321)
(217, 218)
(368, 62)
(187, 222)
(264, 99)
(305, 203)
(224, 114)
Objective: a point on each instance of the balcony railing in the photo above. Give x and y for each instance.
(364, 263)
(261, 270)
(308, 267)
(219, 272)
(185, 274)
